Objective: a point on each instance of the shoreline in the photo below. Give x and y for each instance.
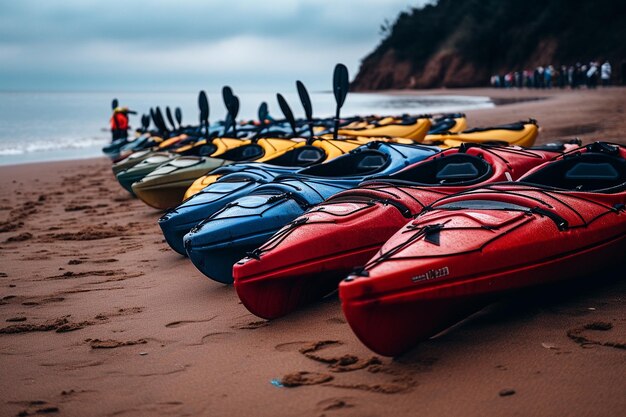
(98, 316)
(512, 104)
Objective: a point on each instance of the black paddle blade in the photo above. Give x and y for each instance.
(263, 113)
(159, 117)
(234, 111)
(145, 121)
(305, 99)
(114, 104)
(340, 90)
(340, 84)
(234, 108)
(227, 123)
(178, 113)
(227, 96)
(203, 104)
(170, 119)
(154, 118)
(286, 111)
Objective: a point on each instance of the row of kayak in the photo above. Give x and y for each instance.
(433, 237)
(415, 237)
(163, 179)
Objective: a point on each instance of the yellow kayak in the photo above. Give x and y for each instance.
(523, 133)
(221, 145)
(413, 128)
(164, 144)
(450, 123)
(165, 186)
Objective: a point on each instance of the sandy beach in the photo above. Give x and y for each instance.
(99, 317)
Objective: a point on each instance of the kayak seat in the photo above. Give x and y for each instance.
(601, 171)
(462, 171)
(370, 163)
(207, 149)
(455, 169)
(584, 172)
(302, 156)
(243, 153)
(441, 126)
(510, 126)
(362, 163)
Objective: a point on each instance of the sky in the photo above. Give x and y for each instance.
(185, 45)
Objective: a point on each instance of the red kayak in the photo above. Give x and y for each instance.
(562, 220)
(305, 260)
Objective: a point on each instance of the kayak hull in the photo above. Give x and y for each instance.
(276, 294)
(131, 175)
(415, 131)
(563, 219)
(165, 187)
(176, 223)
(401, 320)
(521, 134)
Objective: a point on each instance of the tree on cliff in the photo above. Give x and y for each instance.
(460, 43)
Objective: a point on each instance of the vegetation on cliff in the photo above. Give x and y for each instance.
(460, 43)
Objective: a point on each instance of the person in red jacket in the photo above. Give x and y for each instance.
(119, 123)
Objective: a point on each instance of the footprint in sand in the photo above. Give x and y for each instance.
(113, 344)
(77, 207)
(180, 323)
(251, 325)
(35, 407)
(400, 382)
(6, 299)
(602, 330)
(215, 337)
(19, 238)
(291, 346)
(343, 363)
(117, 274)
(97, 232)
(120, 312)
(336, 320)
(105, 261)
(335, 403)
(39, 301)
(60, 325)
(297, 379)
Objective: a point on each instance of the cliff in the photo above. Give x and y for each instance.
(460, 43)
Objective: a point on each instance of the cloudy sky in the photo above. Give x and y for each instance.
(153, 45)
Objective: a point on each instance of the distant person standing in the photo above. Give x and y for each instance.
(537, 76)
(592, 75)
(571, 76)
(579, 74)
(547, 76)
(528, 78)
(605, 74)
(563, 77)
(119, 123)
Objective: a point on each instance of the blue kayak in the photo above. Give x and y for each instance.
(236, 180)
(242, 179)
(243, 224)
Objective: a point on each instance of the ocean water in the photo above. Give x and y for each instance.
(58, 126)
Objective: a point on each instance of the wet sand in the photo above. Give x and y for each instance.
(99, 317)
